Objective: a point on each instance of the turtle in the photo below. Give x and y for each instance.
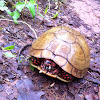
(61, 53)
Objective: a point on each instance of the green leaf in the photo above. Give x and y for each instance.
(40, 14)
(9, 47)
(9, 54)
(21, 60)
(31, 7)
(20, 6)
(16, 15)
(37, 8)
(32, 2)
(32, 68)
(59, 10)
(46, 10)
(55, 16)
(9, 12)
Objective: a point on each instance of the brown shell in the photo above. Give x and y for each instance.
(66, 47)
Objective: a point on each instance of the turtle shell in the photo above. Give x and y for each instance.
(66, 47)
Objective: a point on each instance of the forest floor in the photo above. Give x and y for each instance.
(19, 82)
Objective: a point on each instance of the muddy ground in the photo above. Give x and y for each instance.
(19, 82)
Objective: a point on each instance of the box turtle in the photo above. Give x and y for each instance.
(62, 53)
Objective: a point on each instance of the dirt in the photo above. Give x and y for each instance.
(19, 82)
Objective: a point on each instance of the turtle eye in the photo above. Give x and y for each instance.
(48, 66)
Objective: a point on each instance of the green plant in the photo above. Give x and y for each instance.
(32, 68)
(55, 15)
(18, 8)
(9, 47)
(8, 53)
(46, 10)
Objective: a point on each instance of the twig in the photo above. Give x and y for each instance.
(24, 23)
(92, 80)
(21, 50)
(95, 70)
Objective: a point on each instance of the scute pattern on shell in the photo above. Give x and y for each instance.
(66, 47)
